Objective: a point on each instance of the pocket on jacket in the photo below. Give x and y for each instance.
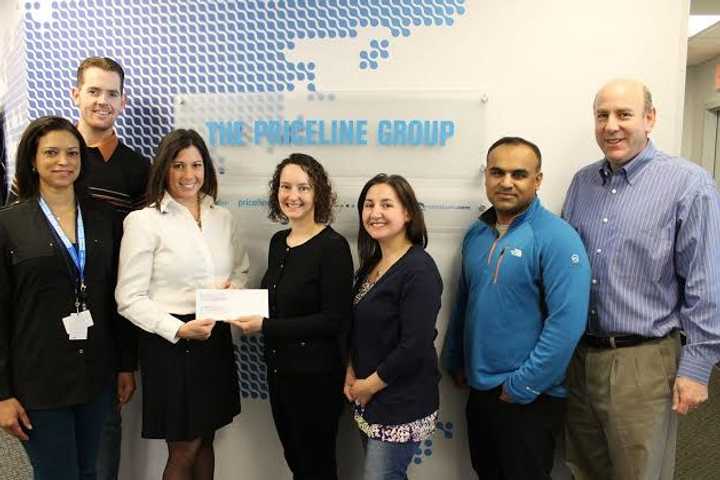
(24, 253)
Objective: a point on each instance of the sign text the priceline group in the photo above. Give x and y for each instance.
(417, 132)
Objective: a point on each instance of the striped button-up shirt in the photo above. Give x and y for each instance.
(648, 229)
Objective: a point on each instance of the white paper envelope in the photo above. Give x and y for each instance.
(229, 303)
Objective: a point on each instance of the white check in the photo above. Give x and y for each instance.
(230, 303)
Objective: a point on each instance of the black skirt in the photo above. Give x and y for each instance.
(190, 388)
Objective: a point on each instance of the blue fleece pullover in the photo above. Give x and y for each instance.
(521, 304)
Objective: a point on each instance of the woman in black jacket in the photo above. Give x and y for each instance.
(61, 340)
(309, 278)
(393, 376)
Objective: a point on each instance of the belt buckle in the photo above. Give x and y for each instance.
(612, 342)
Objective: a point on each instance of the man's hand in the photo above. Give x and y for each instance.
(688, 395)
(505, 396)
(125, 387)
(12, 414)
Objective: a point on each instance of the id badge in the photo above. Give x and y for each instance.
(75, 326)
(86, 318)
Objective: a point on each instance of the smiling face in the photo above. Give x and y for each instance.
(512, 180)
(296, 194)
(99, 99)
(186, 175)
(57, 160)
(622, 121)
(383, 215)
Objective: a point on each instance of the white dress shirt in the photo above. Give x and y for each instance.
(165, 256)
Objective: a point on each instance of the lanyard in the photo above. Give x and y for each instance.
(76, 255)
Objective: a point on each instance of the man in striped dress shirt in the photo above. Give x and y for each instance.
(648, 221)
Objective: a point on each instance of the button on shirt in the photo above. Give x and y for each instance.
(165, 257)
(648, 229)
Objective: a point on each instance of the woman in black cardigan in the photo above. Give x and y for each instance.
(62, 343)
(393, 376)
(309, 278)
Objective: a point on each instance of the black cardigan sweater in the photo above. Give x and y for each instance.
(393, 333)
(310, 296)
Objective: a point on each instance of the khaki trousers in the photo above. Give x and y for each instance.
(620, 423)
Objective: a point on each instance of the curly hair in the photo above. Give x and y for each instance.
(324, 198)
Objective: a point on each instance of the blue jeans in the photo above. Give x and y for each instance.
(387, 460)
(108, 461)
(63, 443)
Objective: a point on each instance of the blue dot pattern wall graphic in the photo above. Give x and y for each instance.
(172, 47)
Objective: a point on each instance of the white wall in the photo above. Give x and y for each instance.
(699, 93)
(13, 85)
(540, 64)
(9, 13)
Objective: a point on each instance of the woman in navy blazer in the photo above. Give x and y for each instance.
(393, 376)
(58, 370)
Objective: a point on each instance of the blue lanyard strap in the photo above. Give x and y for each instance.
(77, 255)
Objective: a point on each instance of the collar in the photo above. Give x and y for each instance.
(168, 202)
(489, 216)
(631, 169)
(107, 145)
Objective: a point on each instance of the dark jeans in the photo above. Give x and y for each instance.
(510, 441)
(108, 462)
(306, 409)
(64, 442)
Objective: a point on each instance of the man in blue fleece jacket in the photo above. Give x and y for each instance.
(521, 308)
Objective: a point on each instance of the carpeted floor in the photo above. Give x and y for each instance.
(699, 438)
(14, 463)
(697, 455)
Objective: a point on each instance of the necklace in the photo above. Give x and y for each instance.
(380, 269)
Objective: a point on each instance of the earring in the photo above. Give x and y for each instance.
(34, 169)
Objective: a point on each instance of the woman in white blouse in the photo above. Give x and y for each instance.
(179, 243)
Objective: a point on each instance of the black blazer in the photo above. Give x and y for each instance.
(38, 364)
(310, 289)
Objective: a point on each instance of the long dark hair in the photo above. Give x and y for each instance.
(168, 150)
(415, 230)
(323, 195)
(27, 178)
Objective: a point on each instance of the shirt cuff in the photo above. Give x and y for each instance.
(521, 394)
(168, 328)
(695, 369)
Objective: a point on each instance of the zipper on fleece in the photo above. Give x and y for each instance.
(492, 250)
(497, 265)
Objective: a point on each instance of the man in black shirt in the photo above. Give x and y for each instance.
(117, 175)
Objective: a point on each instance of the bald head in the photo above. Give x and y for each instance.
(629, 87)
(624, 118)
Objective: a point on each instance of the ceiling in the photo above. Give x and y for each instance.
(704, 45)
